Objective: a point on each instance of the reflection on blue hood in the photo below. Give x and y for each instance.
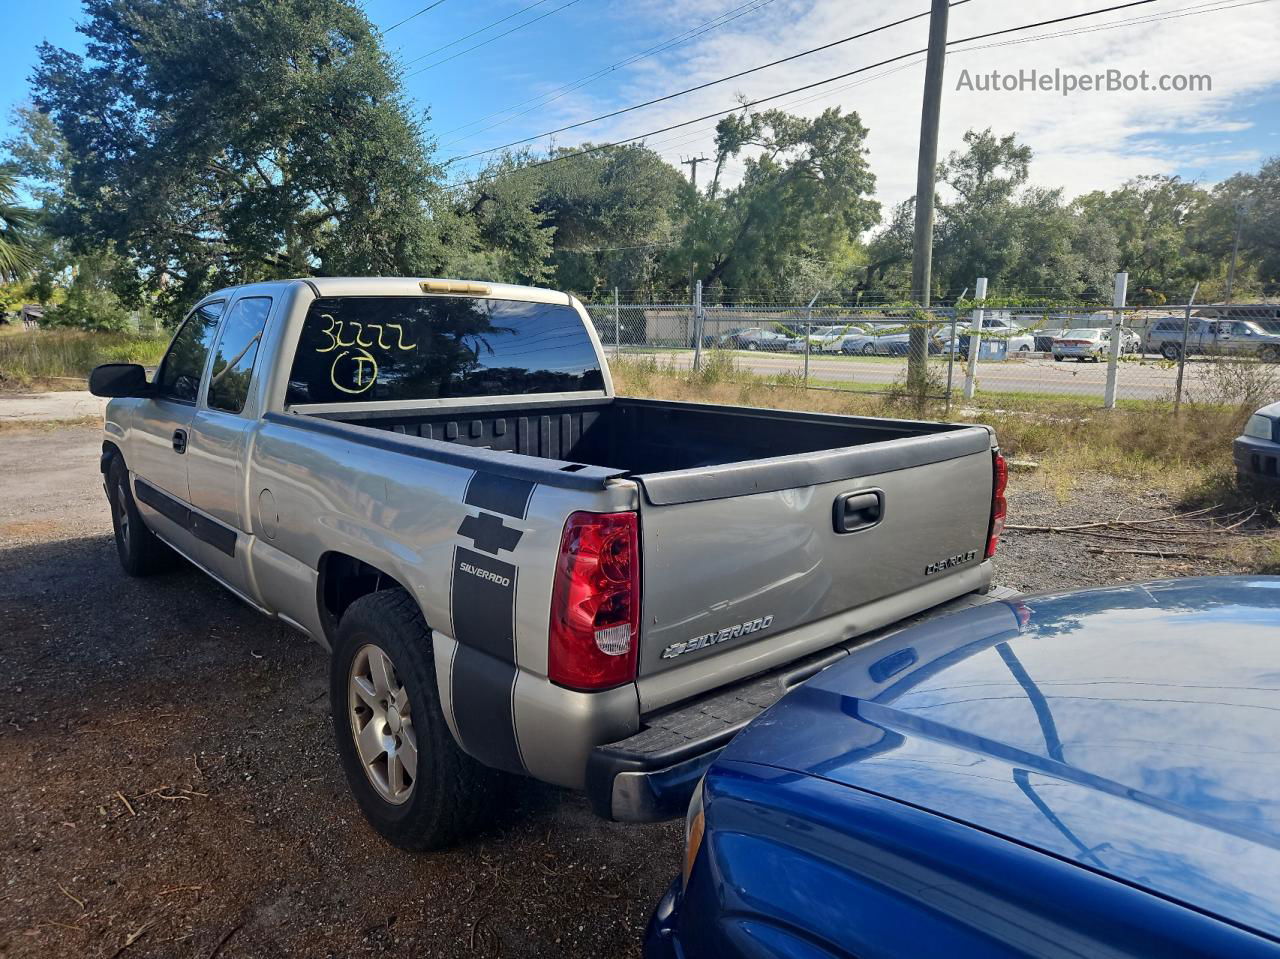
(1134, 730)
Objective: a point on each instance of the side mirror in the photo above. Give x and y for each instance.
(119, 379)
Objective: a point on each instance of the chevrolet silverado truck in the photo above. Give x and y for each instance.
(514, 569)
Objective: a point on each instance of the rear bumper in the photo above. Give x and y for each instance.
(1257, 458)
(650, 775)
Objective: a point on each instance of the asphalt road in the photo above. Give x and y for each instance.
(170, 786)
(1147, 379)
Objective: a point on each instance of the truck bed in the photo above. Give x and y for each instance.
(746, 555)
(643, 438)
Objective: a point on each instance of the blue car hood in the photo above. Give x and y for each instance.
(1134, 730)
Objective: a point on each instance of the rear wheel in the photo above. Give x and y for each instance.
(752, 347)
(1269, 354)
(868, 349)
(410, 778)
(1057, 358)
(140, 552)
(1171, 352)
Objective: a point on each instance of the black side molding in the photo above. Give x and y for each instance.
(218, 535)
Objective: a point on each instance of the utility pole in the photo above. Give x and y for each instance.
(926, 171)
(692, 164)
(1241, 207)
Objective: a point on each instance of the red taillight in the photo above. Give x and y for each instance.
(595, 602)
(999, 505)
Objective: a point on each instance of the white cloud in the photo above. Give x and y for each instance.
(1082, 142)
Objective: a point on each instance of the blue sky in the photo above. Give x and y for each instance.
(1082, 142)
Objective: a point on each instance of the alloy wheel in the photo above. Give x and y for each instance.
(382, 724)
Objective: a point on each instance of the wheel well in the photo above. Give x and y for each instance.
(109, 451)
(343, 580)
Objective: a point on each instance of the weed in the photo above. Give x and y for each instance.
(62, 359)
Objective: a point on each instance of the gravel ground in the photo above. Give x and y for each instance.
(170, 785)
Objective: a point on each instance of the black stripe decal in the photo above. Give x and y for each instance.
(499, 494)
(218, 535)
(483, 603)
(482, 708)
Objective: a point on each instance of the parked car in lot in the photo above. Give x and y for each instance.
(889, 341)
(826, 339)
(1093, 343)
(1082, 344)
(1257, 449)
(514, 568)
(1043, 339)
(1214, 336)
(1088, 773)
(751, 338)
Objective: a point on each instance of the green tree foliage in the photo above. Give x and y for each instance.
(499, 234)
(805, 191)
(16, 222)
(990, 223)
(1154, 220)
(617, 211)
(230, 140)
(1249, 203)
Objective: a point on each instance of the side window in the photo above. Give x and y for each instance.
(181, 368)
(236, 352)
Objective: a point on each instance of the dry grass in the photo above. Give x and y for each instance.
(62, 359)
(1184, 457)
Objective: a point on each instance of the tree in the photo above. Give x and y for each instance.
(805, 192)
(1152, 217)
(617, 211)
(16, 221)
(217, 141)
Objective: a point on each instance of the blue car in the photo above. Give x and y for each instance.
(1089, 773)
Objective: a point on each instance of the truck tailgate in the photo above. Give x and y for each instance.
(740, 554)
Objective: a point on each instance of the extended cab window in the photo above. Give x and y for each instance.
(359, 349)
(237, 349)
(182, 367)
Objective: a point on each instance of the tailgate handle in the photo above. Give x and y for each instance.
(858, 511)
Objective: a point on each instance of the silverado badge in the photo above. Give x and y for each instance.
(711, 639)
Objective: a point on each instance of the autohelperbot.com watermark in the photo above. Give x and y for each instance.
(1067, 82)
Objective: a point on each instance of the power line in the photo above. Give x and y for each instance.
(518, 26)
(551, 96)
(401, 23)
(709, 83)
(803, 87)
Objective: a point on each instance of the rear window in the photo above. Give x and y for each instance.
(381, 348)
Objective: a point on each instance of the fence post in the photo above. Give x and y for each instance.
(1182, 351)
(617, 323)
(975, 340)
(697, 325)
(1113, 355)
(951, 352)
(808, 331)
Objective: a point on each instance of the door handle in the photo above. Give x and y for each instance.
(857, 511)
(179, 441)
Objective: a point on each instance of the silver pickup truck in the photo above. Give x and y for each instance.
(515, 570)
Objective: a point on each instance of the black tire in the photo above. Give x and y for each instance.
(140, 552)
(1170, 352)
(1057, 358)
(868, 349)
(752, 347)
(453, 796)
(1269, 354)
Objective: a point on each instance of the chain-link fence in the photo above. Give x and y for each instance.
(1169, 354)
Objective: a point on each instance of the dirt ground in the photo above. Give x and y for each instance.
(169, 787)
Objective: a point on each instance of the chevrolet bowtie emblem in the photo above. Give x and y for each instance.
(490, 533)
